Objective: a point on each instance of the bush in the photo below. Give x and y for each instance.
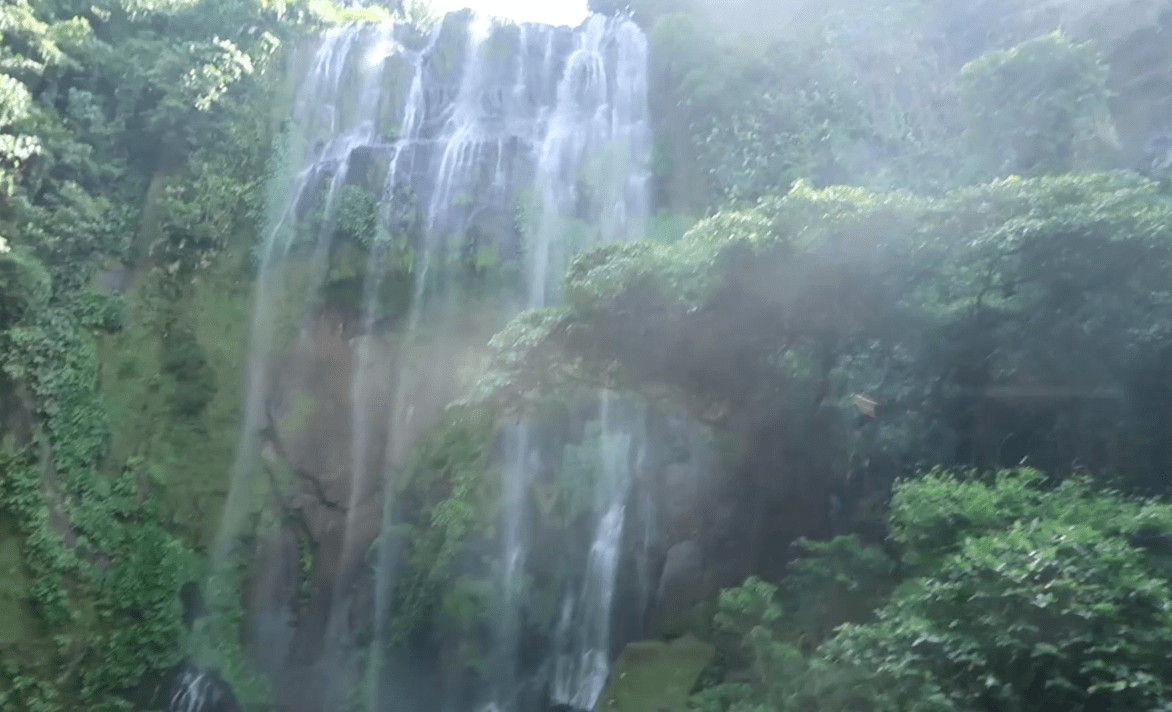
(1025, 595)
(1044, 616)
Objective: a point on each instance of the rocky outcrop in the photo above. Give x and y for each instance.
(680, 588)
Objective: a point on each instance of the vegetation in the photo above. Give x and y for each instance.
(1011, 583)
(897, 262)
(134, 139)
(1039, 107)
(934, 307)
(981, 294)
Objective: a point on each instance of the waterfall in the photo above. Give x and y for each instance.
(315, 105)
(479, 119)
(317, 112)
(597, 128)
(329, 121)
(582, 641)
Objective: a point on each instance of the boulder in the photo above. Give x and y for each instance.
(652, 675)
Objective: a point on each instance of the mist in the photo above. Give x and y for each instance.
(646, 356)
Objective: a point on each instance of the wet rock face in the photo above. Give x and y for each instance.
(680, 508)
(330, 484)
(680, 587)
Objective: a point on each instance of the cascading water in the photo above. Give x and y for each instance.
(596, 138)
(582, 642)
(324, 130)
(195, 690)
(318, 112)
(315, 113)
(494, 116)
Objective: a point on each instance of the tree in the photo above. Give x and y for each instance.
(1039, 107)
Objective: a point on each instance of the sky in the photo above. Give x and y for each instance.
(554, 12)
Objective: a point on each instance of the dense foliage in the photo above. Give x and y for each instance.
(133, 140)
(983, 321)
(880, 94)
(1018, 593)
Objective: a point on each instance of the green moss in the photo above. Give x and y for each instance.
(448, 487)
(652, 675)
(357, 213)
(194, 383)
(175, 401)
(127, 606)
(350, 274)
(153, 215)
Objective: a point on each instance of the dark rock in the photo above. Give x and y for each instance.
(680, 588)
(679, 501)
(368, 169)
(117, 279)
(193, 604)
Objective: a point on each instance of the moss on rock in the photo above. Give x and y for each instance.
(653, 675)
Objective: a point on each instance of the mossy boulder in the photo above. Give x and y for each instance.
(652, 675)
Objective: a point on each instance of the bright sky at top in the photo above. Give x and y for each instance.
(553, 12)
